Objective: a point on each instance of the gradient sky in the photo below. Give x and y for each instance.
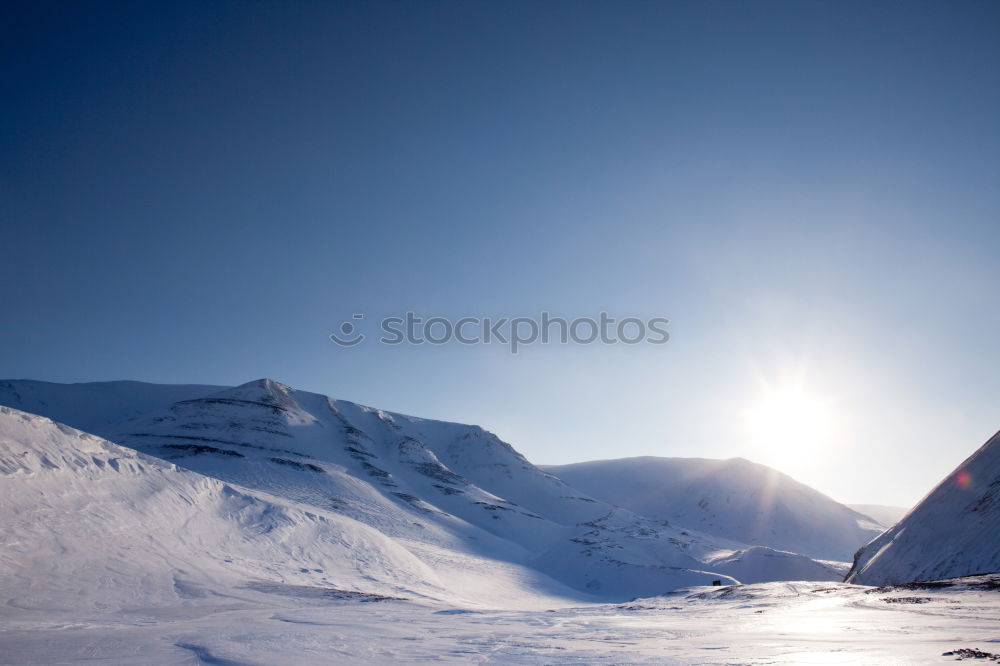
(808, 190)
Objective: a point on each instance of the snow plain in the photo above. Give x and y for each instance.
(773, 623)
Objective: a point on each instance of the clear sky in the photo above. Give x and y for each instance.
(202, 192)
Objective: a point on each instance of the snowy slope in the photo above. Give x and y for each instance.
(92, 526)
(733, 499)
(89, 522)
(760, 564)
(954, 531)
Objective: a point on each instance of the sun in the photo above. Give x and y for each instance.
(789, 422)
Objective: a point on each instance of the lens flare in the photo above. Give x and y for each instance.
(963, 479)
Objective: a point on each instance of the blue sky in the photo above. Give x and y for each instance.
(202, 192)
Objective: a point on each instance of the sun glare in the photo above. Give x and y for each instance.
(789, 422)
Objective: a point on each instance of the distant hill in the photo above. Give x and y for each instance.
(884, 515)
(733, 499)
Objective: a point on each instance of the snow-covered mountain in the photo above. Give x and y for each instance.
(445, 484)
(92, 526)
(370, 468)
(735, 499)
(469, 515)
(94, 406)
(952, 532)
(88, 524)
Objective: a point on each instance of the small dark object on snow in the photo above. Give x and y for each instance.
(906, 600)
(967, 653)
(716, 582)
